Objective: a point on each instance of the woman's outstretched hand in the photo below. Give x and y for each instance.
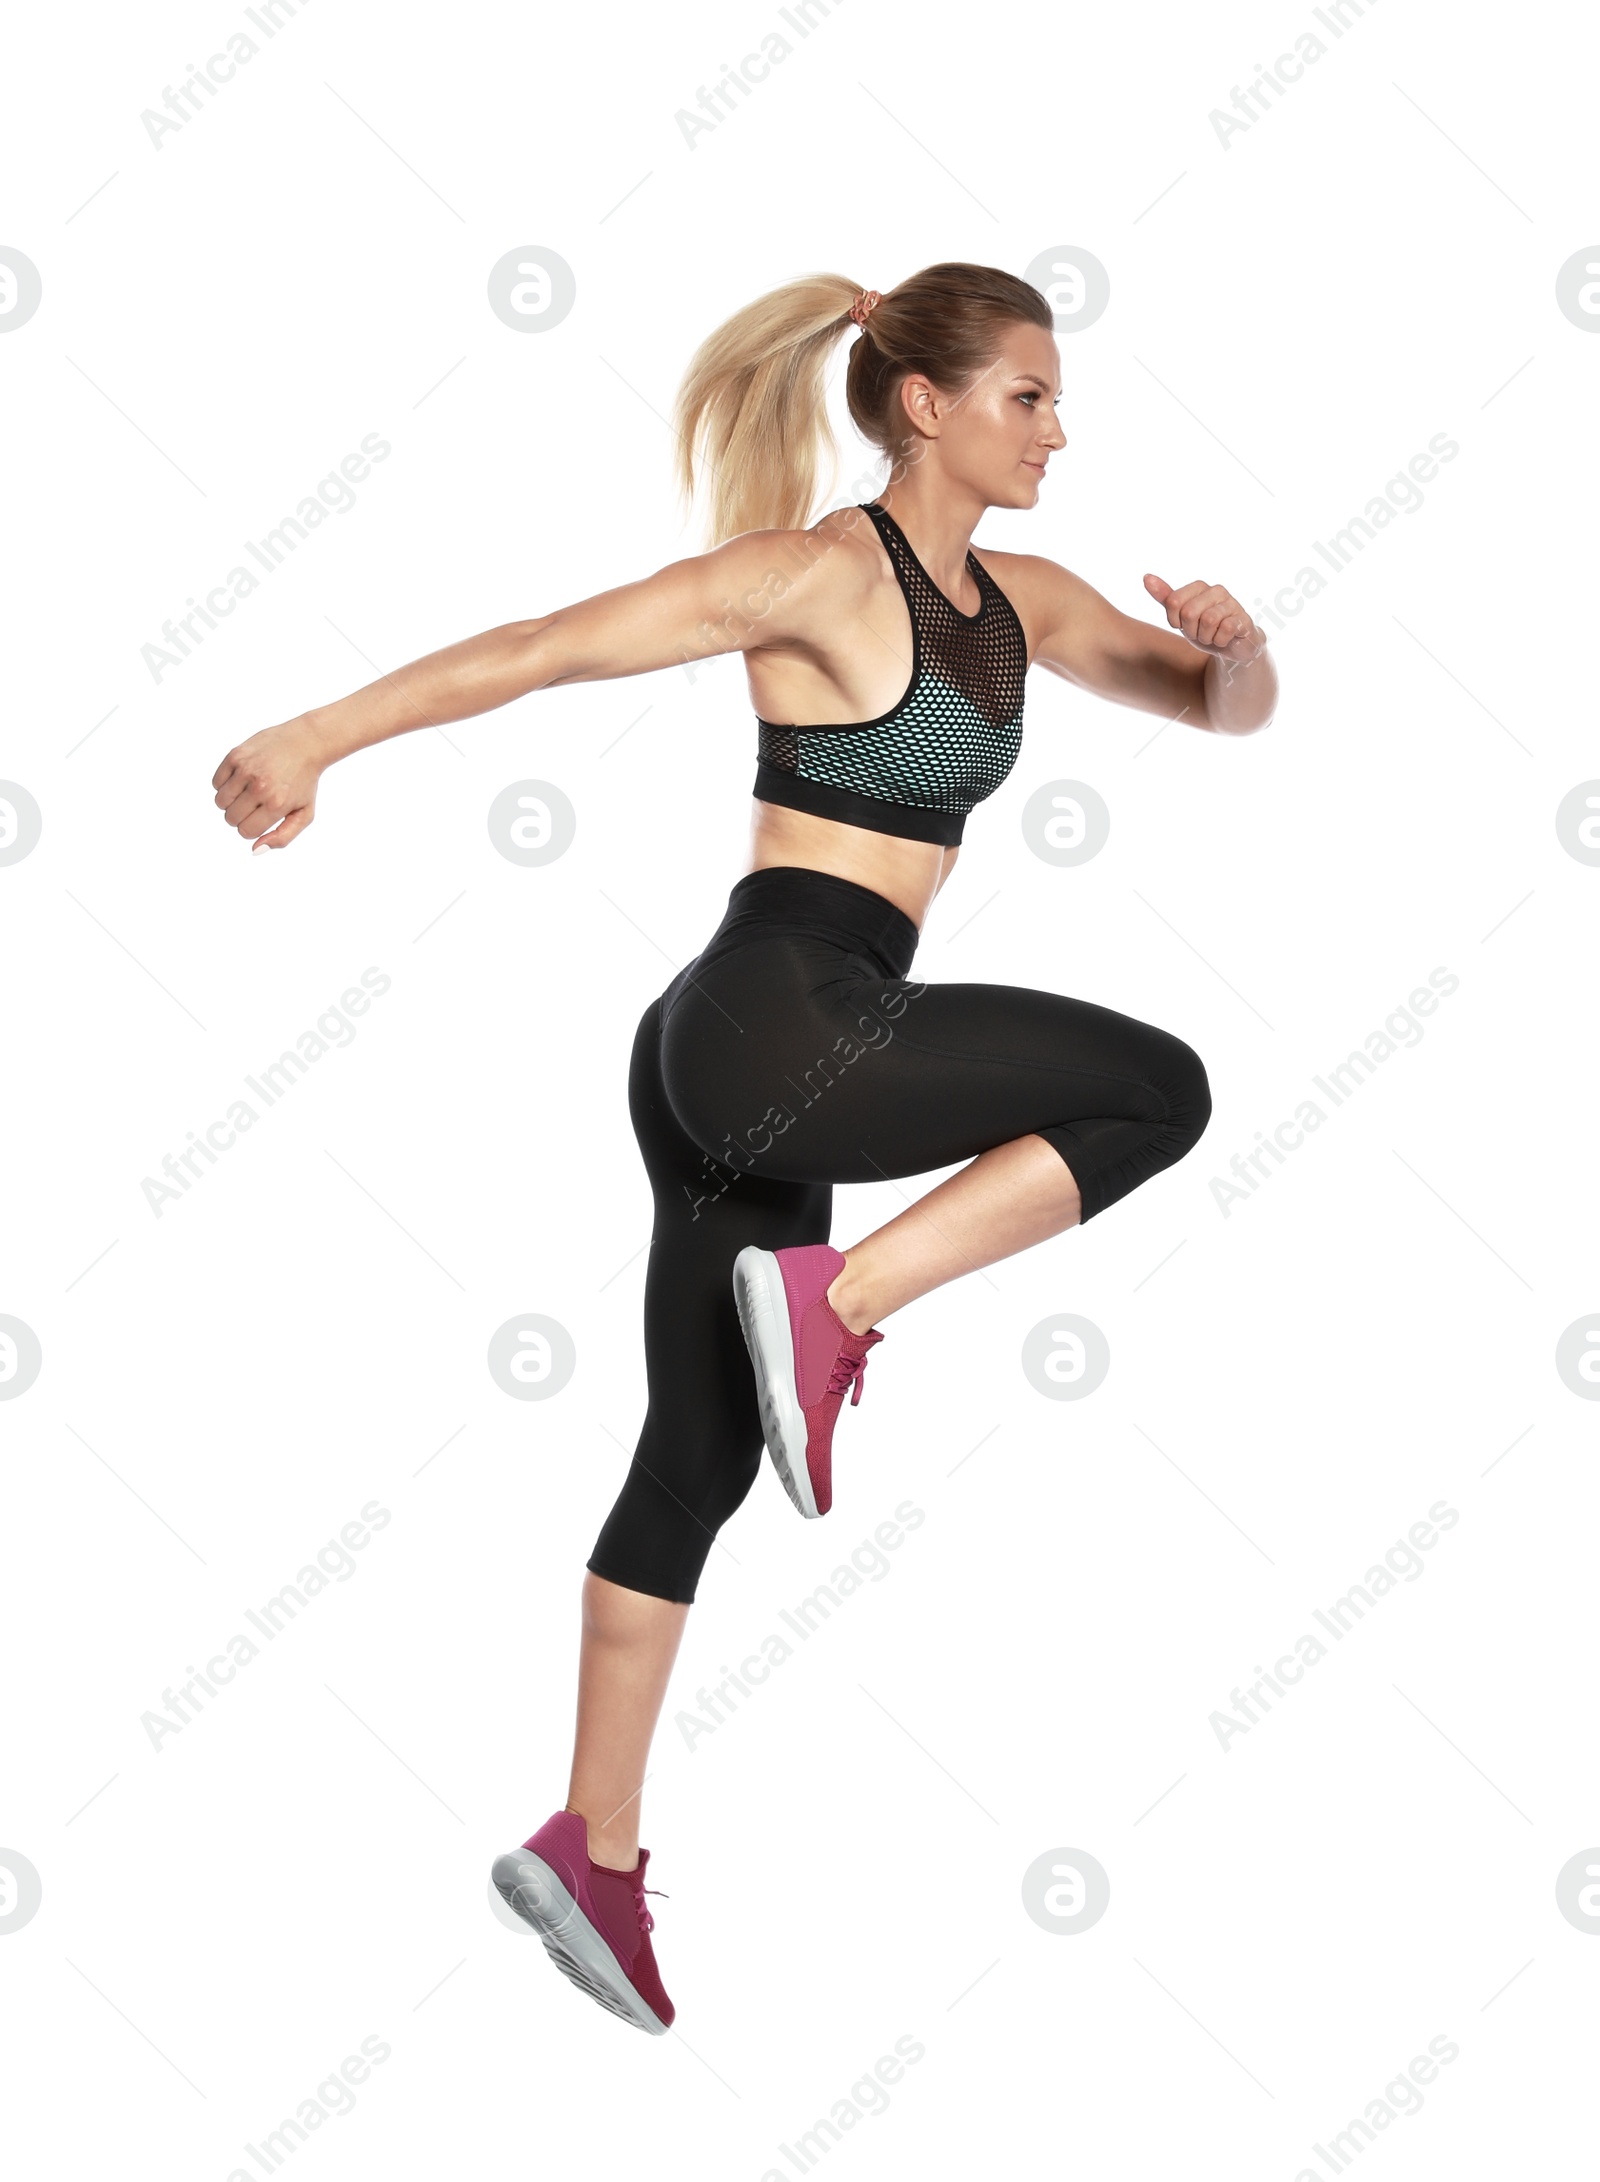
(270, 780)
(1211, 618)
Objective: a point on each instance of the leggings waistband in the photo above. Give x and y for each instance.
(791, 896)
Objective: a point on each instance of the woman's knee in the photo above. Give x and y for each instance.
(659, 1534)
(1188, 1094)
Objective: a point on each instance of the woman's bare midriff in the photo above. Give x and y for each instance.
(907, 873)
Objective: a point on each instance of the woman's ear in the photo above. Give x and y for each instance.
(919, 399)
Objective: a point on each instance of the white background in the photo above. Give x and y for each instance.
(1292, 1385)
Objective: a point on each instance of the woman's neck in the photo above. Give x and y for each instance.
(939, 521)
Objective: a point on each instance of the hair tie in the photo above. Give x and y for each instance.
(864, 305)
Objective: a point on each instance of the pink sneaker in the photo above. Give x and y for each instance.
(805, 1358)
(592, 1920)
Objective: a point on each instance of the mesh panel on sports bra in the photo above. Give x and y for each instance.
(955, 734)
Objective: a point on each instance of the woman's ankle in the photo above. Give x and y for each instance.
(612, 1854)
(847, 1299)
(614, 1850)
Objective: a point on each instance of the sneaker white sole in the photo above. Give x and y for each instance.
(527, 1883)
(764, 1315)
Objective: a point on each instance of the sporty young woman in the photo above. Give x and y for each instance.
(886, 661)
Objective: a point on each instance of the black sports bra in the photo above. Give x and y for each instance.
(919, 768)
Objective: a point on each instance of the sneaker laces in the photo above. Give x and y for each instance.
(647, 1923)
(847, 1373)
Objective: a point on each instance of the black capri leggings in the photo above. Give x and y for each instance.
(794, 1053)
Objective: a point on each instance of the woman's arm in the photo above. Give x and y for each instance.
(1216, 674)
(723, 601)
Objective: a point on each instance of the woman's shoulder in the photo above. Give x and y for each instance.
(834, 564)
(1039, 589)
(1046, 598)
(1027, 571)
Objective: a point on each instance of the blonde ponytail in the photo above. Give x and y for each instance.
(752, 408)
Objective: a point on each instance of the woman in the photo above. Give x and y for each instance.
(886, 663)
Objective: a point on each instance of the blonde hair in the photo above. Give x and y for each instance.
(752, 411)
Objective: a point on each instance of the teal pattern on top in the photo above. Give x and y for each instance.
(950, 741)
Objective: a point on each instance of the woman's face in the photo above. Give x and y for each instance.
(995, 437)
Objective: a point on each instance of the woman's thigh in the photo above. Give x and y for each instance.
(814, 1069)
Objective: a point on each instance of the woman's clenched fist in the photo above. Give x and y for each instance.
(270, 781)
